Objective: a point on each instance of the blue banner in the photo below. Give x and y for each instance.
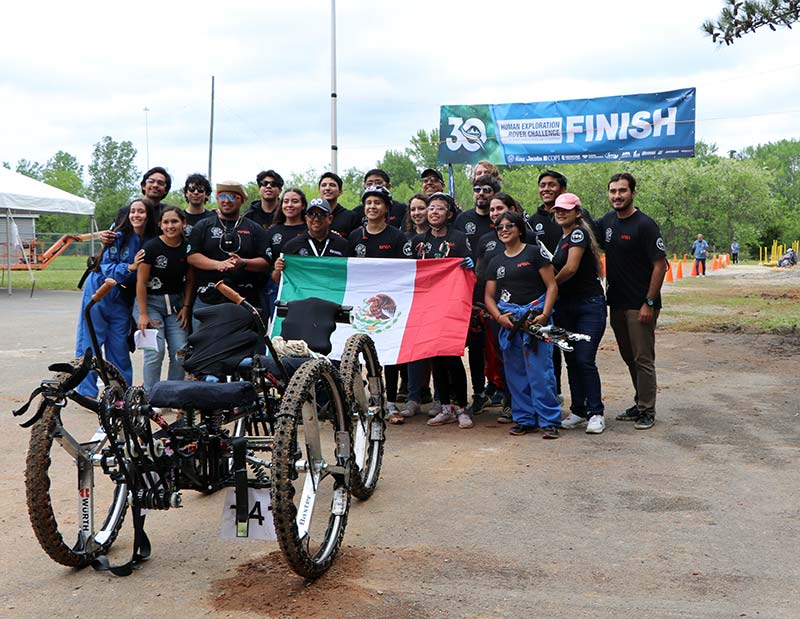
(657, 125)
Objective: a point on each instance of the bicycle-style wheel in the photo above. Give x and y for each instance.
(311, 469)
(76, 510)
(363, 385)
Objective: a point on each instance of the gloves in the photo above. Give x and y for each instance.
(467, 263)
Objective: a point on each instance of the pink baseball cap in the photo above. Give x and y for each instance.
(567, 201)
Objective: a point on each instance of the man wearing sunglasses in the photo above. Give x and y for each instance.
(196, 190)
(317, 240)
(228, 247)
(262, 211)
(475, 223)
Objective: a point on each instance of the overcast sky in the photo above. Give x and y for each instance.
(72, 73)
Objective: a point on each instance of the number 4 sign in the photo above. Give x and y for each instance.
(260, 524)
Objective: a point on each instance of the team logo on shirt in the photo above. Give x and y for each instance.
(501, 272)
(376, 314)
(112, 251)
(161, 262)
(608, 234)
(544, 253)
(188, 248)
(276, 240)
(660, 244)
(491, 245)
(216, 232)
(302, 252)
(577, 235)
(469, 228)
(187, 230)
(505, 295)
(469, 247)
(407, 249)
(539, 228)
(361, 250)
(154, 284)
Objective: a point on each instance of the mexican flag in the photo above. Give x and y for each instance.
(412, 309)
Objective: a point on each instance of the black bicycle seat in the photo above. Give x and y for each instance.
(201, 395)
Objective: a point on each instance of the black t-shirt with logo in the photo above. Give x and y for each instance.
(632, 246)
(193, 218)
(487, 247)
(386, 244)
(304, 245)
(473, 225)
(259, 215)
(167, 266)
(280, 234)
(542, 227)
(584, 283)
(453, 244)
(344, 221)
(518, 278)
(211, 237)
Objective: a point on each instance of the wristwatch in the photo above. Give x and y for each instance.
(650, 302)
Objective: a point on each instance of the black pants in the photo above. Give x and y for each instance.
(447, 370)
(476, 341)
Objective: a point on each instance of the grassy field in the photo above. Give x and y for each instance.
(62, 274)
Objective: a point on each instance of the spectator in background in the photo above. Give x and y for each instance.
(735, 252)
(789, 259)
(635, 267)
(432, 181)
(262, 211)
(330, 188)
(486, 168)
(700, 253)
(197, 191)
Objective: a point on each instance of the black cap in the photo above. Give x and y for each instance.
(432, 171)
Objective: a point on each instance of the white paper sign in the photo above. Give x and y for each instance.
(146, 340)
(259, 524)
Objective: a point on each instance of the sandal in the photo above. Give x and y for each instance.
(396, 419)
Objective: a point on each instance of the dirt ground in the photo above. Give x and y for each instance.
(697, 517)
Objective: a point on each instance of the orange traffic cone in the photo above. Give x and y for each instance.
(669, 274)
(694, 268)
(715, 264)
(679, 272)
(727, 261)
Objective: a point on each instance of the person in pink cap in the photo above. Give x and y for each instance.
(581, 308)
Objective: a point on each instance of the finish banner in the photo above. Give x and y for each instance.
(658, 125)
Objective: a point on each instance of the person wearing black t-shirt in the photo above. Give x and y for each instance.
(318, 240)
(449, 377)
(228, 247)
(635, 267)
(288, 223)
(263, 210)
(330, 188)
(474, 223)
(487, 248)
(519, 279)
(581, 308)
(196, 190)
(377, 239)
(163, 296)
(380, 178)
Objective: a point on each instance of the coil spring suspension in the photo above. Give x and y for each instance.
(150, 498)
(258, 469)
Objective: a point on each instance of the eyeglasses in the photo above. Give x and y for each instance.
(482, 189)
(228, 196)
(156, 181)
(437, 208)
(195, 189)
(269, 184)
(315, 214)
(504, 226)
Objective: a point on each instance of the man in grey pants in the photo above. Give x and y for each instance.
(635, 267)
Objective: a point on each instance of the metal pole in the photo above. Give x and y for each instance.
(8, 248)
(211, 131)
(147, 135)
(334, 144)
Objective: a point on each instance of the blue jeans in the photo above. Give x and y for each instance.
(530, 379)
(170, 335)
(587, 316)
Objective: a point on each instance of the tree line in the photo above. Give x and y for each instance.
(752, 195)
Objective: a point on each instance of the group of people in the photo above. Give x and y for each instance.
(166, 261)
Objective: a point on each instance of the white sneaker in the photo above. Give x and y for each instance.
(596, 425)
(572, 421)
(448, 415)
(464, 420)
(435, 409)
(412, 408)
(391, 409)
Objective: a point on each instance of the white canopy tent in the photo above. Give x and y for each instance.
(22, 194)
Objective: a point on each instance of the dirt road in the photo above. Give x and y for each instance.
(697, 517)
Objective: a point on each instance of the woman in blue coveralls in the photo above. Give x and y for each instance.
(111, 316)
(518, 279)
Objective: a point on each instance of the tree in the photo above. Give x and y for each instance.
(400, 168)
(114, 178)
(783, 159)
(740, 17)
(30, 168)
(62, 170)
(424, 150)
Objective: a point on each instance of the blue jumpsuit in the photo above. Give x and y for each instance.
(112, 315)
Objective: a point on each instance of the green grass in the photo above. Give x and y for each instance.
(726, 305)
(62, 274)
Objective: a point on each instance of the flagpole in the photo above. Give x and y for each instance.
(334, 145)
(211, 131)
